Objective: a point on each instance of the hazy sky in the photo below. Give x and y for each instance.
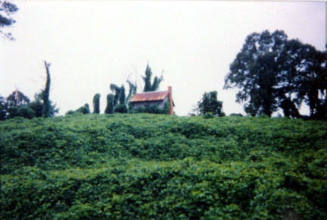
(91, 44)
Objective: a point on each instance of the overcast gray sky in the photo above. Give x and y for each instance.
(91, 44)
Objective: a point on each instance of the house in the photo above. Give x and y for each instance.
(159, 98)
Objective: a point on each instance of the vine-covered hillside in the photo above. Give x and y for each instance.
(143, 166)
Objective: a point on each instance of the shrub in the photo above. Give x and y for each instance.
(152, 109)
(148, 166)
(120, 108)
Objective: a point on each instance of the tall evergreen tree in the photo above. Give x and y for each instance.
(96, 103)
(122, 97)
(148, 84)
(110, 104)
(147, 79)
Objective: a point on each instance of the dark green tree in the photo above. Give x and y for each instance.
(96, 103)
(148, 84)
(273, 72)
(311, 80)
(110, 104)
(6, 10)
(25, 111)
(120, 101)
(210, 104)
(254, 72)
(302, 78)
(37, 105)
(122, 97)
(3, 108)
(119, 94)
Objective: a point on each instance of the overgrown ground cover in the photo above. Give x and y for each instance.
(144, 166)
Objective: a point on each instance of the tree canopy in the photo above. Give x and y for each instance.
(272, 72)
(6, 10)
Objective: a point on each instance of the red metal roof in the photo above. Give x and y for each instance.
(149, 96)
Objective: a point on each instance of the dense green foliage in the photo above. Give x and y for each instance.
(119, 94)
(85, 109)
(117, 102)
(272, 72)
(209, 104)
(144, 166)
(152, 108)
(120, 108)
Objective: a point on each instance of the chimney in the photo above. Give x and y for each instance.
(171, 103)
